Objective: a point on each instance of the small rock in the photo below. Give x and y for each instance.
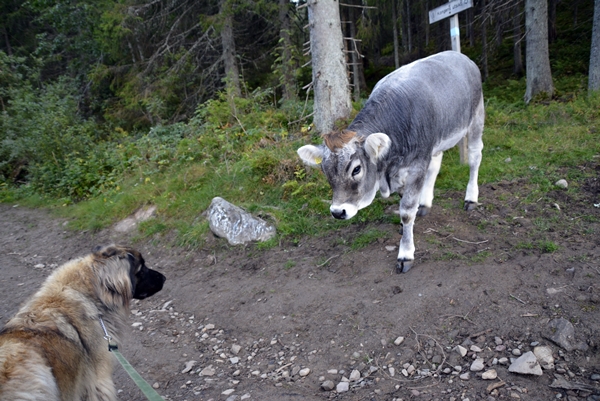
(304, 372)
(234, 360)
(235, 349)
(462, 351)
(188, 366)
(332, 371)
(208, 371)
(392, 371)
(228, 391)
(516, 352)
(595, 377)
(526, 364)
(489, 374)
(342, 387)
(544, 356)
(465, 376)
(245, 396)
(156, 385)
(477, 365)
(475, 348)
(354, 375)
(562, 183)
(327, 385)
(399, 340)
(503, 361)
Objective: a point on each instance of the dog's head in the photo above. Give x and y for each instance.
(123, 273)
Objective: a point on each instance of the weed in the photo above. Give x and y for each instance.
(367, 238)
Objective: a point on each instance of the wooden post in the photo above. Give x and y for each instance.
(451, 10)
(463, 145)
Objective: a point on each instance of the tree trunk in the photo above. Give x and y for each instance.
(408, 27)
(484, 46)
(232, 74)
(539, 76)
(332, 97)
(395, 33)
(517, 40)
(287, 79)
(594, 76)
(552, 20)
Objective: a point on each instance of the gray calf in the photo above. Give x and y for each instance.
(396, 142)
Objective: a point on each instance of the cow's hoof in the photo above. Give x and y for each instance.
(470, 205)
(403, 266)
(423, 210)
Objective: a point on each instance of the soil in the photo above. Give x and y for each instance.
(497, 275)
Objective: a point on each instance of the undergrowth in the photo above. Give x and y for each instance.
(249, 158)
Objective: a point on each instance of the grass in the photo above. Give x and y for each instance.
(256, 167)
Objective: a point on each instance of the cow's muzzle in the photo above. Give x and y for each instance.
(344, 211)
(339, 214)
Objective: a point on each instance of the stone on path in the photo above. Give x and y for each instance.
(342, 387)
(477, 365)
(235, 224)
(526, 364)
(562, 332)
(327, 385)
(544, 356)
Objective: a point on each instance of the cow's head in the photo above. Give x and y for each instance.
(350, 165)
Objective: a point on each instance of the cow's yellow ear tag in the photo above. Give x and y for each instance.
(318, 160)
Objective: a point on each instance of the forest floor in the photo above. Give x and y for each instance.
(297, 321)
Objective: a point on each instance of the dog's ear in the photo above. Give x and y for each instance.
(109, 251)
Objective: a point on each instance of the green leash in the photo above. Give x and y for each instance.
(143, 385)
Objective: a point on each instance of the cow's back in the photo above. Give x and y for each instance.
(423, 102)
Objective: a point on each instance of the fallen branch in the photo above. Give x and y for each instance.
(324, 263)
(469, 242)
(480, 333)
(494, 386)
(521, 301)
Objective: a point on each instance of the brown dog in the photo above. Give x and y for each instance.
(54, 348)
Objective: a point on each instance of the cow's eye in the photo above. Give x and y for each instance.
(355, 171)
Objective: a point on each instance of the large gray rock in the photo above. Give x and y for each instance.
(562, 332)
(235, 224)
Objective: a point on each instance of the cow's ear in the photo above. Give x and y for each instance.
(377, 146)
(311, 155)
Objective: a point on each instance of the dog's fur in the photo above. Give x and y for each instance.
(54, 348)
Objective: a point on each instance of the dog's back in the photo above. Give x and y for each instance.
(54, 348)
(25, 374)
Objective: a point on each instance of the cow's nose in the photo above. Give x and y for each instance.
(339, 214)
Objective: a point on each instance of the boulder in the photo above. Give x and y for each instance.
(235, 224)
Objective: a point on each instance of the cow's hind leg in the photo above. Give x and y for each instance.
(475, 141)
(426, 198)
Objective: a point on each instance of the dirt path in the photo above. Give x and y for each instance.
(275, 325)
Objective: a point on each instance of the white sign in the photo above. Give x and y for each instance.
(449, 9)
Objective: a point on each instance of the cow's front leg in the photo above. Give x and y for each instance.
(409, 205)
